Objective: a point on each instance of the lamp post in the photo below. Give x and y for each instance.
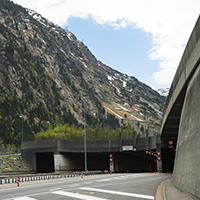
(48, 122)
(22, 127)
(85, 140)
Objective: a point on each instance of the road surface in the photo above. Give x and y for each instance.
(134, 186)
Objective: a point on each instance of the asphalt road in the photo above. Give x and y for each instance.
(102, 187)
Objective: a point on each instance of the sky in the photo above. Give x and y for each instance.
(144, 39)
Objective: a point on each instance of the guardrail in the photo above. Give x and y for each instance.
(36, 177)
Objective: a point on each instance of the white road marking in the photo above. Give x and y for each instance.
(123, 176)
(102, 180)
(88, 182)
(119, 193)
(78, 196)
(54, 189)
(130, 175)
(75, 185)
(23, 198)
(117, 178)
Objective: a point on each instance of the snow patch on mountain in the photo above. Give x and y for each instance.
(114, 113)
(163, 91)
(124, 82)
(137, 118)
(122, 107)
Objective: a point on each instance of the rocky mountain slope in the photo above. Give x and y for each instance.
(46, 75)
(14, 163)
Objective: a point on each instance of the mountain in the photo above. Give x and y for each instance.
(46, 75)
(163, 92)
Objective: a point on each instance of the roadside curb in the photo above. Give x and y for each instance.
(161, 192)
(167, 191)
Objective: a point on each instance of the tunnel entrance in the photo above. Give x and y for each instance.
(98, 161)
(168, 156)
(135, 162)
(45, 162)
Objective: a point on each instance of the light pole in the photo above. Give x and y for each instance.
(85, 140)
(22, 127)
(48, 122)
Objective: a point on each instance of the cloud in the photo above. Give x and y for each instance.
(170, 23)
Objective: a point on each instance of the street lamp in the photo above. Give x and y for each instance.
(22, 126)
(85, 140)
(48, 122)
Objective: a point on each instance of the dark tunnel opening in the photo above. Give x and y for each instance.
(44, 162)
(168, 156)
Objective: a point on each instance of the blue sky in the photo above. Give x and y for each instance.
(144, 39)
(122, 49)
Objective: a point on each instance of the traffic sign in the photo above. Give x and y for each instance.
(170, 142)
(111, 158)
(158, 153)
(159, 158)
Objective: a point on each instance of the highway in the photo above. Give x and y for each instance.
(127, 186)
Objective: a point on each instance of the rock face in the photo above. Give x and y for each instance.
(46, 74)
(14, 163)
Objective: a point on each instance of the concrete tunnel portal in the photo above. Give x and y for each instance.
(122, 161)
(57, 155)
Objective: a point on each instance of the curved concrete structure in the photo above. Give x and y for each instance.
(188, 64)
(181, 117)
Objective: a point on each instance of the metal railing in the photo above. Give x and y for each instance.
(10, 150)
(39, 177)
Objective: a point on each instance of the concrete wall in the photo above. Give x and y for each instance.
(186, 68)
(61, 163)
(187, 162)
(68, 162)
(58, 145)
(69, 155)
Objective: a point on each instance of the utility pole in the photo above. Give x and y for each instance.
(85, 140)
(22, 128)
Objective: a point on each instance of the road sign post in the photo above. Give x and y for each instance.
(159, 161)
(1, 163)
(155, 164)
(111, 161)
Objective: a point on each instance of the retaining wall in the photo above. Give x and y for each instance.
(187, 162)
